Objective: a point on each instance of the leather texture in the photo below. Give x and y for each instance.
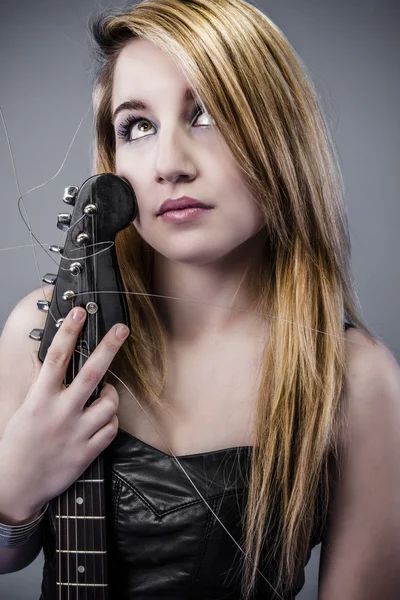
(164, 542)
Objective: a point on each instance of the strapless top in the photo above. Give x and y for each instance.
(164, 542)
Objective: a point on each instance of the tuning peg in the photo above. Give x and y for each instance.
(56, 249)
(75, 268)
(64, 221)
(82, 239)
(68, 296)
(36, 335)
(70, 195)
(49, 278)
(43, 305)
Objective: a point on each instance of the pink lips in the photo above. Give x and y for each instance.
(180, 204)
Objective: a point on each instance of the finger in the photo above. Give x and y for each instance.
(103, 437)
(97, 364)
(107, 394)
(60, 350)
(100, 412)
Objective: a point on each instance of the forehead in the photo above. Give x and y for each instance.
(145, 71)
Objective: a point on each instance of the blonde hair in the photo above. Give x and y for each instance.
(249, 79)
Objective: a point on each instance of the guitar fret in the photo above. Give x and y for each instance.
(78, 517)
(81, 538)
(84, 551)
(83, 584)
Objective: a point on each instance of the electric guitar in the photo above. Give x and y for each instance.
(88, 276)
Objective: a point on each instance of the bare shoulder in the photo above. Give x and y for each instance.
(26, 315)
(361, 541)
(369, 363)
(16, 348)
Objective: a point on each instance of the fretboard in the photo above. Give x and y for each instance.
(81, 538)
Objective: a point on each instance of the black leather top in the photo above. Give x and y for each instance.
(164, 542)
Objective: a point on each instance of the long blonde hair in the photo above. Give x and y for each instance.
(249, 79)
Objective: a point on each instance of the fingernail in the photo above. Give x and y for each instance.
(78, 314)
(122, 332)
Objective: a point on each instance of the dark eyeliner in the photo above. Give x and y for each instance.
(130, 121)
(126, 125)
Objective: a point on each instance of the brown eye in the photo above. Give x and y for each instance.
(126, 127)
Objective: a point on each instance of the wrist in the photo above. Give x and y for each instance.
(12, 536)
(21, 517)
(18, 511)
(17, 507)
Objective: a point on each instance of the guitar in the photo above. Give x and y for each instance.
(88, 276)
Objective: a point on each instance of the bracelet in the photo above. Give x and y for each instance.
(12, 536)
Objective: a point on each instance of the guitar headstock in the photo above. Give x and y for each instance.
(88, 273)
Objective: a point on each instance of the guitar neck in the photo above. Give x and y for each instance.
(81, 537)
(104, 205)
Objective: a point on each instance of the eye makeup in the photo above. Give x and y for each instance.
(124, 130)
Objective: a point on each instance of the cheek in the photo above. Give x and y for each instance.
(122, 166)
(125, 167)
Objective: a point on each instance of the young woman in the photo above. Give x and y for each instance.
(249, 420)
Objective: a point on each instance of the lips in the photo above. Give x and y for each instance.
(181, 203)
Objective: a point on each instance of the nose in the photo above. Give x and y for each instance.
(175, 160)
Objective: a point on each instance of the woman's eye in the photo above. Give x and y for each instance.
(127, 129)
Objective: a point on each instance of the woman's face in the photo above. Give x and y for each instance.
(170, 153)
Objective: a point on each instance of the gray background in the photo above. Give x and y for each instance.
(351, 48)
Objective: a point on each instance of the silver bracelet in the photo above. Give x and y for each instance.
(12, 536)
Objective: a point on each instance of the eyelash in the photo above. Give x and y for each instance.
(128, 124)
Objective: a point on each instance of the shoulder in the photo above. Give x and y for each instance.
(361, 541)
(372, 383)
(16, 349)
(369, 363)
(26, 316)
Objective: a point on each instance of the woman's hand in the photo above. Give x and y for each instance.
(52, 438)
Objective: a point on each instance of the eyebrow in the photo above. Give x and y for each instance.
(133, 104)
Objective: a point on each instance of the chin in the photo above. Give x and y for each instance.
(196, 256)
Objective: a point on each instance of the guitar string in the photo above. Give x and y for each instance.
(101, 473)
(88, 321)
(232, 308)
(59, 537)
(90, 470)
(67, 492)
(21, 195)
(99, 485)
(86, 501)
(66, 500)
(81, 362)
(208, 304)
(43, 246)
(83, 345)
(65, 232)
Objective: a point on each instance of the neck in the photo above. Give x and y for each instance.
(214, 298)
